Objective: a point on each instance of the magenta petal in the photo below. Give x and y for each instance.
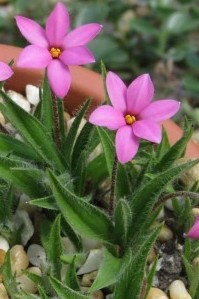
(116, 91)
(77, 56)
(82, 35)
(193, 233)
(34, 57)
(160, 110)
(126, 144)
(57, 25)
(59, 78)
(139, 94)
(32, 31)
(107, 116)
(5, 71)
(148, 130)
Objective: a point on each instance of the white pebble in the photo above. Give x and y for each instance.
(3, 292)
(156, 293)
(19, 260)
(178, 291)
(4, 244)
(19, 100)
(32, 94)
(25, 283)
(36, 255)
(165, 234)
(92, 263)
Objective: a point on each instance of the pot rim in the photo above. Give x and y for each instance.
(85, 84)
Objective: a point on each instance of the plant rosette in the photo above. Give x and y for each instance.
(97, 208)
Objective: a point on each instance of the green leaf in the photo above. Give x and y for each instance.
(71, 276)
(143, 206)
(65, 292)
(130, 284)
(8, 279)
(54, 248)
(72, 235)
(45, 203)
(10, 145)
(104, 74)
(175, 152)
(123, 219)
(82, 216)
(42, 293)
(60, 107)
(108, 148)
(110, 270)
(6, 204)
(150, 277)
(46, 107)
(22, 175)
(33, 132)
(95, 172)
(72, 134)
(163, 147)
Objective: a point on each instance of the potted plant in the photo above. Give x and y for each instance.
(98, 220)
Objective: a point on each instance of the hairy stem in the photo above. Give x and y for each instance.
(164, 198)
(57, 133)
(113, 185)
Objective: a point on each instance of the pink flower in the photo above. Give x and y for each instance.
(54, 49)
(193, 233)
(5, 71)
(133, 114)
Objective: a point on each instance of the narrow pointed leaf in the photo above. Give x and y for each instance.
(65, 292)
(71, 276)
(46, 107)
(72, 134)
(33, 132)
(10, 145)
(82, 216)
(55, 249)
(45, 203)
(110, 270)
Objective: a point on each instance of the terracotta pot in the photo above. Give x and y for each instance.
(85, 83)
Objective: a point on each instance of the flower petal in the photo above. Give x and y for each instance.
(57, 25)
(32, 31)
(82, 35)
(148, 130)
(59, 78)
(107, 116)
(126, 144)
(160, 110)
(77, 56)
(34, 57)
(116, 91)
(5, 71)
(193, 233)
(139, 94)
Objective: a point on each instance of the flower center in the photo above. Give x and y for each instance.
(130, 119)
(55, 52)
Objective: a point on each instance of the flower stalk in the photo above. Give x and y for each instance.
(57, 133)
(113, 186)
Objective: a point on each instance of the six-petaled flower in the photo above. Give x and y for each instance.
(54, 48)
(133, 114)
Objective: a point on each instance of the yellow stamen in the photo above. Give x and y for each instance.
(130, 119)
(55, 52)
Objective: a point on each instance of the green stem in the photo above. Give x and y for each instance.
(57, 133)
(166, 197)
(113, 186)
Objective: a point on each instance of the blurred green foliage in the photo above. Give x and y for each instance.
(156, 36)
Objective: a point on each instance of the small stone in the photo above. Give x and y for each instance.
(2, 119)
(68, 245)
(165, 234)
(88, 279)
(177, 290)
(124, 23)
(32, 94)
(67, 117)
(25, 283)
(97, 295)
(152, 255)
(92, 262)
(156, 293)
(36, 255)
(195, 212)
(19, 100)
(3, 292)
(192, 175)
(19, 260)
(195, 262)
(4, 244)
